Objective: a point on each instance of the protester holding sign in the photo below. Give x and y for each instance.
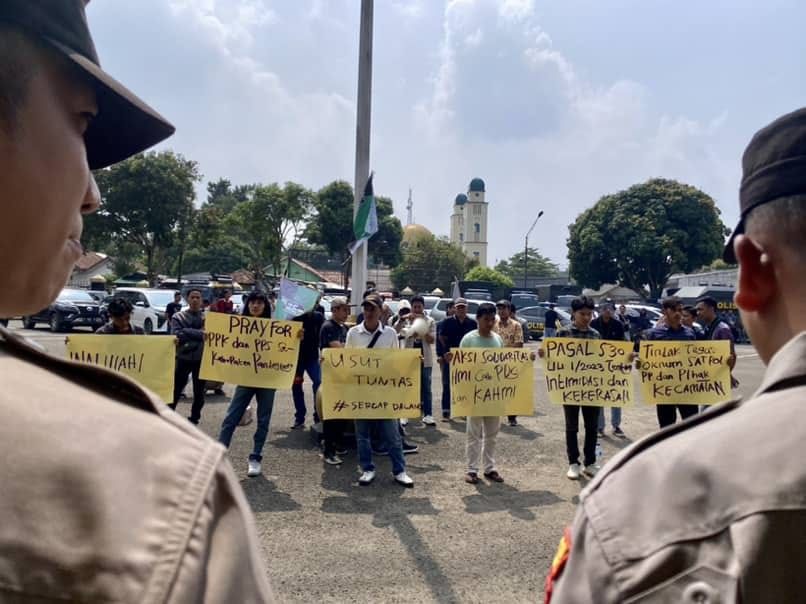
(257, 305)
(188, 327)
(334, 335)
(581, 313)
(609, 328)
(453, 329)
(120, 319)
(672, 329)
(511, 333)
(481, 431)
(371, 333)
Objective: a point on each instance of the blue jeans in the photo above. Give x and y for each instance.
(390, 436)
(237, 406)
(615, 417)
(445, 371)
(314, 372)
(549, 332)
(425, 390)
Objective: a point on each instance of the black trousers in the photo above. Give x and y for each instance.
(667, 414)
(183, 370)
(333, 431)
(590, 418)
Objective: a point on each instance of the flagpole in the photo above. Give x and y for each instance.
(362, 134)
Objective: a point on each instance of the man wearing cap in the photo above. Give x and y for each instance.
(716, 524)
(371, 333)
(453, 330)
(108, 495)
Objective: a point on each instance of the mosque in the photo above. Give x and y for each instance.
(468, 222)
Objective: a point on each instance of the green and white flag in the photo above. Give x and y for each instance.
(366, 219)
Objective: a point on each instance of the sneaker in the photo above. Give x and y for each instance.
(446, 417)
(254, 468)
(409, 448)
(404, 421)
(298, 425)
(573, 471)
(600, 431)
(590, 471)
(619, 432)
(341, 451)
(366, 478)
(333, 460)
(404, 480)
(513, 422)
(429, 421)
(219, 392)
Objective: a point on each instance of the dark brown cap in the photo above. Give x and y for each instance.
(125, 125)
(773, 166)
(373, 300)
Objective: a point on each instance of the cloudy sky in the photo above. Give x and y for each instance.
(553, 103)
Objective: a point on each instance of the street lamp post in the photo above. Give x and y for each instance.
(526, 249)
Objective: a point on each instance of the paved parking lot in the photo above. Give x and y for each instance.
(326, 539)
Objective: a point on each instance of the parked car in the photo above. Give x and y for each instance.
(438, 312)
(536, 317)
(149, 306)
(71, 308)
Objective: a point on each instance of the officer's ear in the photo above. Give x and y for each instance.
(757, 284)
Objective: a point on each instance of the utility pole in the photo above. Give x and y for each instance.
(526, 249)
(362, 132)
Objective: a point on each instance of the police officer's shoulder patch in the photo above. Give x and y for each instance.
(558, 563)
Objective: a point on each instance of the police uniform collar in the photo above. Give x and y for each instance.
(786, 365)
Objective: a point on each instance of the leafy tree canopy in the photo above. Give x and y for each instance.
(429, 263)
(483, 273)
(639, 237)
(537, 265)
(143, 201)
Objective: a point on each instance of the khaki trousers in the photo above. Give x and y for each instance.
(481, 433)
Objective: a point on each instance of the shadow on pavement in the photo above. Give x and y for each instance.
(505, 498)
(293, 439)
(383, 499)
(263, 496)
(521, 431)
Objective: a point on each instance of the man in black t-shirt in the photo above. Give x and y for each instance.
(308, 362)
(550, 322)
(171, 309)
(452, 330)
(333, 335)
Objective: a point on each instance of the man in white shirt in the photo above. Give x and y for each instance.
(371, 333)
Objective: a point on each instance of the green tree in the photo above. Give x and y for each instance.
(482, 273)
(143, 200)
(269, 224)
(332, 226)
(537, 265)
(639, 237)
(429, 263)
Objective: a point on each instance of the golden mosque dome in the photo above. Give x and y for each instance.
(414, 233)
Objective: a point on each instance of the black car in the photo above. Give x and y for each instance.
(73, 307)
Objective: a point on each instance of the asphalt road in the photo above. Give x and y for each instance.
(326, 539)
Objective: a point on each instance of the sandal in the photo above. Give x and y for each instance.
(472, 478)
(494, 476)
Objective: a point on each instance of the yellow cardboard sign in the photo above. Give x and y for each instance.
(685, 372)
(370, 383)
(489, 382)
(249, 351)
(595, 373)
(147, 360)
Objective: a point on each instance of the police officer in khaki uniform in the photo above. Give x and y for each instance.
(714, 509)
(107, 495)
